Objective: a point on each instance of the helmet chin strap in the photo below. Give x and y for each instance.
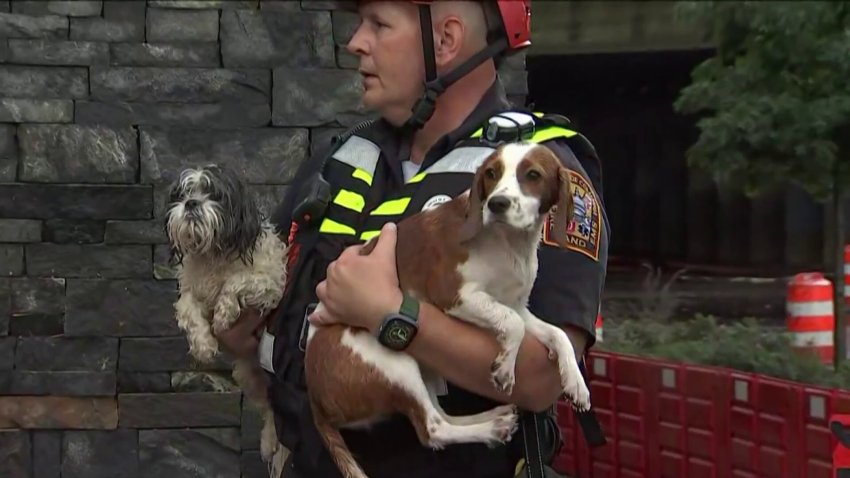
(435, 86)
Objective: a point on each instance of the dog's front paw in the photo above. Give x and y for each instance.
(203, 348)
(574, 386)
(502, 374)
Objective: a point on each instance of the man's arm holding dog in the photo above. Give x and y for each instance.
(366, 288)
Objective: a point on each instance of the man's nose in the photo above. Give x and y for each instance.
(498, 204)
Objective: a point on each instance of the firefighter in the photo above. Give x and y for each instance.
(438, 119)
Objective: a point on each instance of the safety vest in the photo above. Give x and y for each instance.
(448, 177)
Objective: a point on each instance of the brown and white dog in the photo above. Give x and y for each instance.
(474, 257)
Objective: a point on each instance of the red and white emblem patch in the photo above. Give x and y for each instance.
(583, 230)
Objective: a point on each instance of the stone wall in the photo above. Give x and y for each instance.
(101, 102)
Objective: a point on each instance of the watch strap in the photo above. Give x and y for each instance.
(409, 306)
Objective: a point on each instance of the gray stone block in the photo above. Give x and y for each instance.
(43, 82)
(5, 307)
(327, 4)
(78, 153)
(74, 384)
(47, 446)
(11, 260)
(73, 231)
(262, 156)
(38, 306)
(252, 424)
(346, 60)
(100, 454)
(5, 6)
(133, 382)
(222, 115)
(315, 97)
(57, 52)
(89, 261)
(7, 353)
(56, 354)
(344, 26)
(280, 6)
(122, 308)
(269, 39)
(205, 4)
(102, 30)
(180, 85)
(162, 266)
(171, 353)
(8, 153)
(20, 230)
(31, 110)
(164, 25)
(13, 25)
(252, 465)
(268, 197)
(184, 55)
(207, 453)
(135, 232)
(48, 201)
(178, 410)
(203, 382)
(69, 8)
(122, 21)
(15, 454)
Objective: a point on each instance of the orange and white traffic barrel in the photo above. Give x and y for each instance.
(811, 317)
(599, 327)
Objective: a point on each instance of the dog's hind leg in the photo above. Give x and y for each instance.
(433, 427)
(560, 348)
(480, 308)
(190, 318)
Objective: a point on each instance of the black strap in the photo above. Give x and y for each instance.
(530, 424)
(588, 420)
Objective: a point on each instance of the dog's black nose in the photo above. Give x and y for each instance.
(498, 204)
(192, 204)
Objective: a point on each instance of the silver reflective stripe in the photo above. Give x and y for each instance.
(465, 159)
(359, 153)
(265, 351)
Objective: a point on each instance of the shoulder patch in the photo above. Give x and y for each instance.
(583, 230)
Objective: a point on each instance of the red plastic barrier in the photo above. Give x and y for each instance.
(671, 420)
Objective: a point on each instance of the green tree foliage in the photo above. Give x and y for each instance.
(774, 103)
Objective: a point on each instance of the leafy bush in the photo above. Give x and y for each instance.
(744, 345)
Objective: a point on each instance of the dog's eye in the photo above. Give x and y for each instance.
(532, 175)
(490, 173)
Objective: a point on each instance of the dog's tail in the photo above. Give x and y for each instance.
(339, 451)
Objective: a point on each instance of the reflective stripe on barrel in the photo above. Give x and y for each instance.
(810, 318)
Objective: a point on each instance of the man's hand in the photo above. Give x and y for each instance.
(361, 290)
(242, 338)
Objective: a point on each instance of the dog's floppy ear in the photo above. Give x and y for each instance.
(475, 204)
(564, 209)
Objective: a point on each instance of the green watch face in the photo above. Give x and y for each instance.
(397, 333)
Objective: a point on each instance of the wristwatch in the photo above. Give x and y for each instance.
(398, 329)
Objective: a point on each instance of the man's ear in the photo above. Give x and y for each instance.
(474, 208)
(564, 209)
(448, 40)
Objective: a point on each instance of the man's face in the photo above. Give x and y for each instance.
(389, 45)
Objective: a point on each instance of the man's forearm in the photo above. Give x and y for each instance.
(462, 353)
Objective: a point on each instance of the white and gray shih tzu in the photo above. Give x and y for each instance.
(228, 257)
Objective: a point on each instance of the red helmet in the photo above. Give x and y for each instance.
(516, 20)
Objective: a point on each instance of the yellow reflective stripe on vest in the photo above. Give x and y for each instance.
(329, 226)
(363, 175)
(368, 235)
(392, 208)
(350, 200)
(419, 177)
